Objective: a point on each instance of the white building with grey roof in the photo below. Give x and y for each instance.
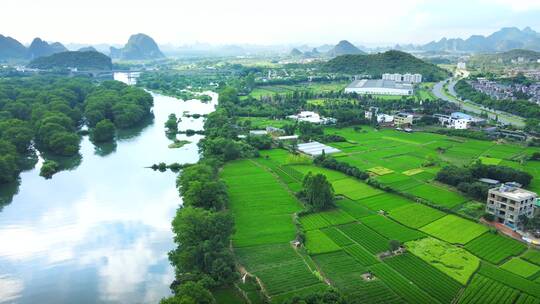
(380, 87)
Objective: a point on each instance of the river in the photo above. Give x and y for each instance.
(99, 232)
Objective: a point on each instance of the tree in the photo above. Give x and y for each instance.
(318, 192)
(8, 162)
(172, 123)
(394, 245)
(190, 293)
(49, 168)
(328, 297)
(206, 194)
(104, 131)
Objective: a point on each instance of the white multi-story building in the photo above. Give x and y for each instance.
(508, 202)
(408, 77)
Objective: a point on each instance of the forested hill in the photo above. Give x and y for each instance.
(387, 62)
(88, 60)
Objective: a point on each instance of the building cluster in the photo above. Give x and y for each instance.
(408, 77)
(500, 91)
(312, 117)
(509, 202)
(399, 119)
(458, 120)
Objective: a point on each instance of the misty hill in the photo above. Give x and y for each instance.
(138, 47)
(11, 49)
(87, 49)
(344, 47)
(296, 53)
(40, 48)
(83, 61)
(512, 57)
(503, 40)
(387, 62)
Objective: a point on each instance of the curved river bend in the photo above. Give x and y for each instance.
(100, 232)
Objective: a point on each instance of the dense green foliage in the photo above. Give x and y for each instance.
(82, 61)
(49, 168)
(104, 131)
(318, 193)
(387, 62)
(46, 113)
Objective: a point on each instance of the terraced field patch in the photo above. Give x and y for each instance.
(521, 267)
(532, 256)
(415, 215)
(353, 208)
(454, 229)
(495, 248)
(317, 242)
(437, 195)
(369, 239)
(451, 260)
(361, 255)
(483, 290)
(313, 221)
(380, 170)
(337, 236)
(354, 189)
(384, 201)
(390, 229)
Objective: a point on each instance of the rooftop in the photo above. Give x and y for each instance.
(315, 148)
(380, 83)
(514, 193)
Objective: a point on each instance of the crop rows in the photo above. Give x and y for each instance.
(483, 290)
(436, 283)
(317, 242)
(495, 248)
(313, 221)
(361, 255)
(400, 285)
(337, 236)
(416, 215)
(454, 229)
(369, 239)
(510, 279)
(391, 229)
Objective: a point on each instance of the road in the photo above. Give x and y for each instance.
(467, 106)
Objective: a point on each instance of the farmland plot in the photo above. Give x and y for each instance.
(483, 290)
(510, 279)
(495, 248)
(521, 267)
(454, 229)
(361, 255)
(337, 236)
(390, 229)
(317, 242)
(436, 283)
(369, 239)
(416, 215)
(384, 201)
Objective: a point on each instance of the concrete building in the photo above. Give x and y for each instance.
(455, 121)
(312, 117)
(258, 132)
(508, 201)
(379, 87)
(381, 117)
(408, 77)
(402, 119)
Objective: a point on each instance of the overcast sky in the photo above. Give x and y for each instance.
(262, 22)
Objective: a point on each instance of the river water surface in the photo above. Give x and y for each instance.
(100, 232)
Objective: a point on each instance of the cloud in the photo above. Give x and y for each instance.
(516, 5)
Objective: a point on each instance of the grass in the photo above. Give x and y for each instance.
(454, 229)
(439, 285)
(317, 242)
(489, 160)
(521, 267)
(390, 229)
(366, 237)
(495, 248)
(415, 215)
(451, 260)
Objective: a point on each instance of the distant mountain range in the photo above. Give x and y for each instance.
(505, 39)
(344, 47)
(11, 49)
(138, 47)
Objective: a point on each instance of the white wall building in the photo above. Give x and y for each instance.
(381, 118)
(312, 117)
(379, 87)
(508, 202)
(408, 77)
(456, 120)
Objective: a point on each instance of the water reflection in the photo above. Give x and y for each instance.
(100, 232)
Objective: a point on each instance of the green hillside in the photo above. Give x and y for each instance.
(80, 60)
(387, 62)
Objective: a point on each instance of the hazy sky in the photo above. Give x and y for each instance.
(262, 22)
